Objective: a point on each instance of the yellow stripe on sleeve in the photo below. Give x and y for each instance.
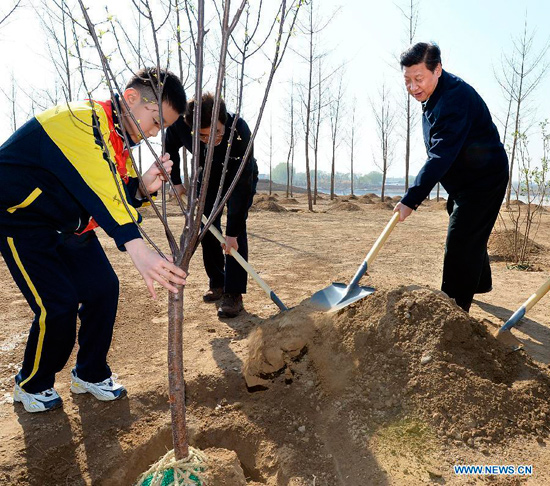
(27, 202)
(42, 317)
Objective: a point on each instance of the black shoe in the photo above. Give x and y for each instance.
(231, 305)
(213, 295)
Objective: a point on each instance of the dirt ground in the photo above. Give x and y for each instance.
(394, 390)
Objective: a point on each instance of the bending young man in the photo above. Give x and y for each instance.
(227, 278)
(62, 168)
(464, 154)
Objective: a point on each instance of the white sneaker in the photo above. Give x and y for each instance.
(37, 402)
(105, 390)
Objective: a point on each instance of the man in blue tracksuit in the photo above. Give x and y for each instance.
(466, 155)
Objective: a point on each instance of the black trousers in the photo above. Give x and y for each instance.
(223, 270)
(466, 268)
(56, 273)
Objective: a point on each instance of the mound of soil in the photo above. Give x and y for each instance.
(288, 200)
(405, 356)
(353, 196)
(384, 205)
(373, 196)
(267, 205)
(344, 206)
(501, 245)
(365, 200)
(264, 197)
(396, 198)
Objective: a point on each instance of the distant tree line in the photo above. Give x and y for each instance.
(341, 179)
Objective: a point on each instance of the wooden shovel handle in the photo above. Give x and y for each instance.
(243, 263)
(541, 291)
(382, 239)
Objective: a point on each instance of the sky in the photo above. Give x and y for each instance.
(367, 37)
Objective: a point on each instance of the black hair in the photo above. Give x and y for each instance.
(146, 82)
(207, 107)
(428, 53)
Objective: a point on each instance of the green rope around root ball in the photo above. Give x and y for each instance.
(170, 472)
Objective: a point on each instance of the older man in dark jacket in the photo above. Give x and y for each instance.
(464, 154)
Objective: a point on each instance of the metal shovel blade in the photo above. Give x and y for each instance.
(338, 295)
(509, 340)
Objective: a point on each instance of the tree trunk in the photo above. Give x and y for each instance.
(308, 112)
(384, 173)
(292, 173)
(512, 155)
(176, 383)
(332, 171)
(352, 167)
(288, 171)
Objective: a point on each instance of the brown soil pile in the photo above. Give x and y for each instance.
(384, 205)
(365, 200)
(344, 206)
(407, 355)
(264, 197)
(501, 245)
(373, 196)
(396, 198)
(224, 468)
(288, 200)
(268, 205)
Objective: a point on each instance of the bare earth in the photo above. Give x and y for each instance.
(393, 390)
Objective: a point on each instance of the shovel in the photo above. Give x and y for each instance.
(237, 256)
(243, 263)
(339, 295)
(504, 333)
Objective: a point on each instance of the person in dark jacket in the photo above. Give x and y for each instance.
(466, 155)
(227, 278)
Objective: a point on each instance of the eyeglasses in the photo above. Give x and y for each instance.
(204, 137)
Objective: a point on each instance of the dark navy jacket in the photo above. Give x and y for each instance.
(464, 149)
(179, 134)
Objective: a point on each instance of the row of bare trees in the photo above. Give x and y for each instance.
(521, 73)
(321, 97)
(313, 102)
